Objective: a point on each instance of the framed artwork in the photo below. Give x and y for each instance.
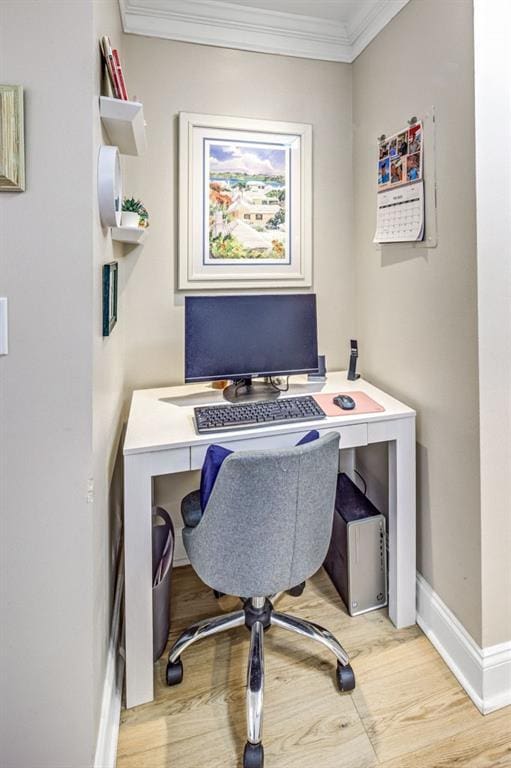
(109, 297)
(245, 203)
(12, 148)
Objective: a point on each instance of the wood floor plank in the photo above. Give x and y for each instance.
(319, 720)
(407, 710)
(485, 746)
(404, 711)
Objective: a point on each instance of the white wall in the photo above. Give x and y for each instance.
(414, 310)
(61, 386)
(45, 395)
(417, 307)
(62, 383)
(108, 380)
(61, 395)
(170, 77)
(492, 24)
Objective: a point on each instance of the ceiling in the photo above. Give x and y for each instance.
(335, 10)
(334, 30)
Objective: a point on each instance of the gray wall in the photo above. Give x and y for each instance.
(417, 308)
(45, 395)
(62, 385)
(170, 77)
(60, 395)
(108, 381)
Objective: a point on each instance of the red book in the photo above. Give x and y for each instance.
(117, 87)
(120, 76)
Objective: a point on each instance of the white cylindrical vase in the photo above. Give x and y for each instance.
(130, 219)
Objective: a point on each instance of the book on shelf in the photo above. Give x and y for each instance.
(120, 76)
(114, 69)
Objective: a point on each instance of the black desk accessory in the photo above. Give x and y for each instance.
(345, 402)
(352, 372)
(241, 338)
(320, 374)
(219, 418)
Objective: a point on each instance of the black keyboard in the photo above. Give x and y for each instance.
(219, 418)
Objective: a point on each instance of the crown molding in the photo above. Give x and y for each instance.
(369, 22)
(228, 25)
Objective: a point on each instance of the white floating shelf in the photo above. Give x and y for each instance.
(132, 235)
(124, 123)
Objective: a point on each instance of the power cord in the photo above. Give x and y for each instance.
(363, 480)
(280, 389)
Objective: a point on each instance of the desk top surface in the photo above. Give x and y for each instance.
(162, 418)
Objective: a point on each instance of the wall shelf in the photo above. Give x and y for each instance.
(124, 122)
(132, 235)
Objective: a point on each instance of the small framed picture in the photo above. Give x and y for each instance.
(12, 149)
(109, 297)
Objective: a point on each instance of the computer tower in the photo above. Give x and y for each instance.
(357, 556)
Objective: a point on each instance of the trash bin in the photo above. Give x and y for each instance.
(163, 554)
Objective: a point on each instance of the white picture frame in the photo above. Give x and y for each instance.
(12, 142)
(245, 203)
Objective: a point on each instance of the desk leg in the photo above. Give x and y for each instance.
(138, 572)
(402, 546)
(347, 461)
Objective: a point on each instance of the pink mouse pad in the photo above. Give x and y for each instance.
(363, 404)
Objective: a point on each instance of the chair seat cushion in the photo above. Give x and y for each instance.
(216, 455)
(191, 511)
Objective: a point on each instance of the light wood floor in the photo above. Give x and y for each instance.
(407, 711)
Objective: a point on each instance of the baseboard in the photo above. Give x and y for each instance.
(108, 732)
(484, 673)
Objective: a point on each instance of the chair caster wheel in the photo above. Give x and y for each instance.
(174, 672)
(345, 678)
(253, 756)
(296, 591)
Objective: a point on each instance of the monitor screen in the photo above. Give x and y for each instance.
(235, 337)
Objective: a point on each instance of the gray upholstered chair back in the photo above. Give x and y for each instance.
(268, 521)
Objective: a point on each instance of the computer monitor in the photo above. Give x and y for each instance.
(243, 337)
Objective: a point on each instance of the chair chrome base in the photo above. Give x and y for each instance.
(258, 615)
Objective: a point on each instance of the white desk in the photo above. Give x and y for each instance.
(161, 439)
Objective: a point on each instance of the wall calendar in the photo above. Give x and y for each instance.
(400, 199)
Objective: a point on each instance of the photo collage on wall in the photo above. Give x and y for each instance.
(400, 158)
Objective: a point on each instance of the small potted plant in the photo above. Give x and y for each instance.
(134, 214)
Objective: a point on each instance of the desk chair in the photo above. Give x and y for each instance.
(265, 529)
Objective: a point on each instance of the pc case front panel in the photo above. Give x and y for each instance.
(367, 565)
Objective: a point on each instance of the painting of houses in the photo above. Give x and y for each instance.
(248, 197)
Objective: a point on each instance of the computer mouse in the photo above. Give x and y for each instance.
(345, 402)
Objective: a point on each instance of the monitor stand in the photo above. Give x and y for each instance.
(247, 390)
